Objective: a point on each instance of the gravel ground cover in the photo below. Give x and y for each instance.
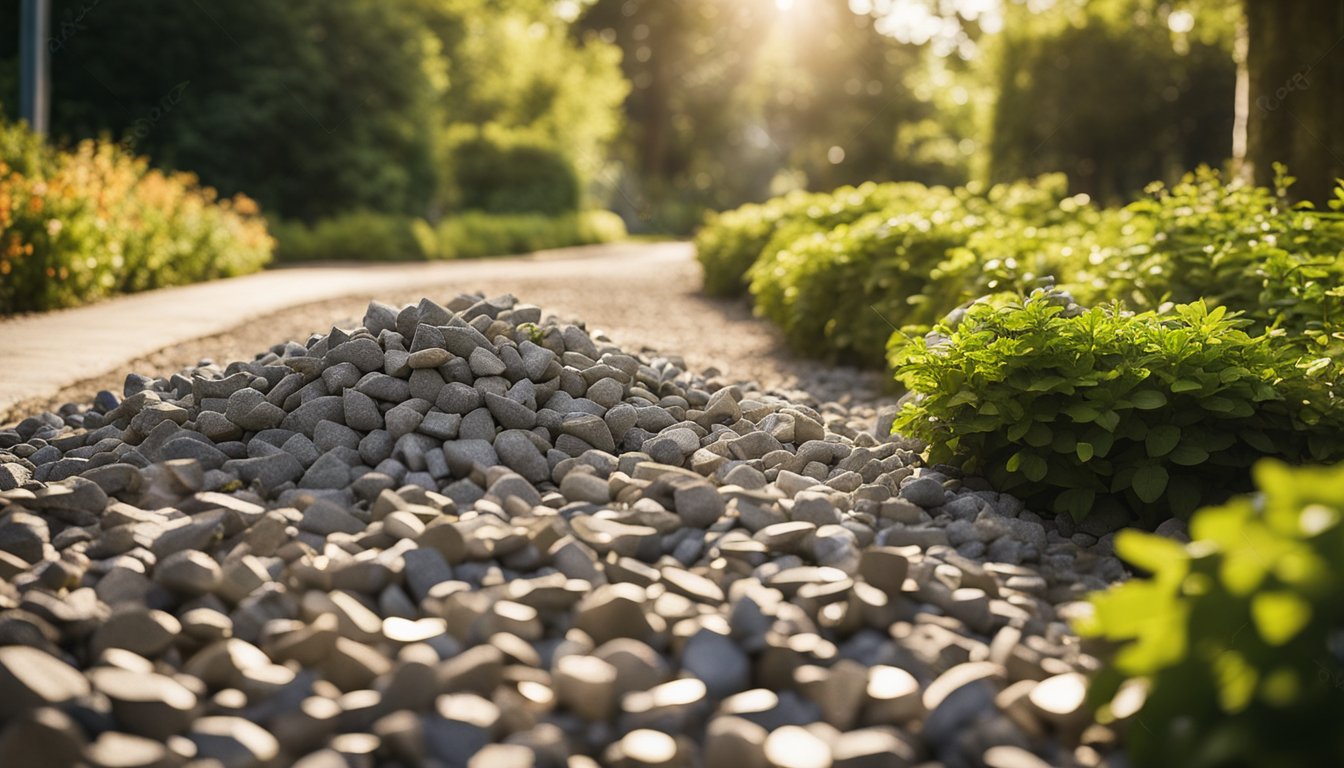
(471, 534)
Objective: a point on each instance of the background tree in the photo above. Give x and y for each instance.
(318, 107)
(310, 106)
(737, 101)
(1115, 94)
(1295, 114)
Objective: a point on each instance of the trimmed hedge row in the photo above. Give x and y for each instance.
(95, 222)
(840, 293)
(1215, 339)
(730, 242)
(1038, 397)
(839, 272)
(365, 236)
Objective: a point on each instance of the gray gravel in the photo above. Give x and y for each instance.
(470, 534)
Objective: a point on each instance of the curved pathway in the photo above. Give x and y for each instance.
(644, 296)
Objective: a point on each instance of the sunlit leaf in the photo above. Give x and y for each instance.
(1149, 552)
(1236, 681)
(1279, 616)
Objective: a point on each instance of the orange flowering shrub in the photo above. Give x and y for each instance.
(94, 222)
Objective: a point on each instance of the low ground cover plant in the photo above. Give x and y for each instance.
(1078, 410)
(1230, 651)
(96, 221)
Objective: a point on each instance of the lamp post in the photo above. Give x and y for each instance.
(35, 64)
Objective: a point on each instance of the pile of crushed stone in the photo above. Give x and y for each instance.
(468, 535)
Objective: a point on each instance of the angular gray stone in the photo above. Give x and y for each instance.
(268, 471)
(959, 697)
(189, 572)
(517, 451)
(306, 417)
(698, 504)
(361, 412)
(508, 413)
(234, 741)
(463, 454)
(924, 491)
(324, 518)
(483, 362)
(328, 472)
(718, 661)
(443, 426)
(140, 630)
(145, 703)
(581, 486)
(591, 429)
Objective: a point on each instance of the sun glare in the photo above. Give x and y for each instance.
(784, 5)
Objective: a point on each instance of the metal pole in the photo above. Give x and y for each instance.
(35, 64)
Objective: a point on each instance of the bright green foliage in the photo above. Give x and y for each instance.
(1233, 244)
(1237, 639)
(366, 236)
(358, 236)
(472, 235)
(96, 221)
(730, 242)
(1072, 410)
(842, 293)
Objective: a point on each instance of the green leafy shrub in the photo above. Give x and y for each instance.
(96, 221)
(1231, 652)
(1074, 410)
(841, 293)
(358, 236)
(730, 242)
(503, 173)
(474, 235)
(1232, 244)
(366, 236)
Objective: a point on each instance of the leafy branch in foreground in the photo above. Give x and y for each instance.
(1231, 652)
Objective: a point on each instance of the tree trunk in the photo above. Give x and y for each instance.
(1295, 61)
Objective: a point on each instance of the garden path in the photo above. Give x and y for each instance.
(644, 295)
